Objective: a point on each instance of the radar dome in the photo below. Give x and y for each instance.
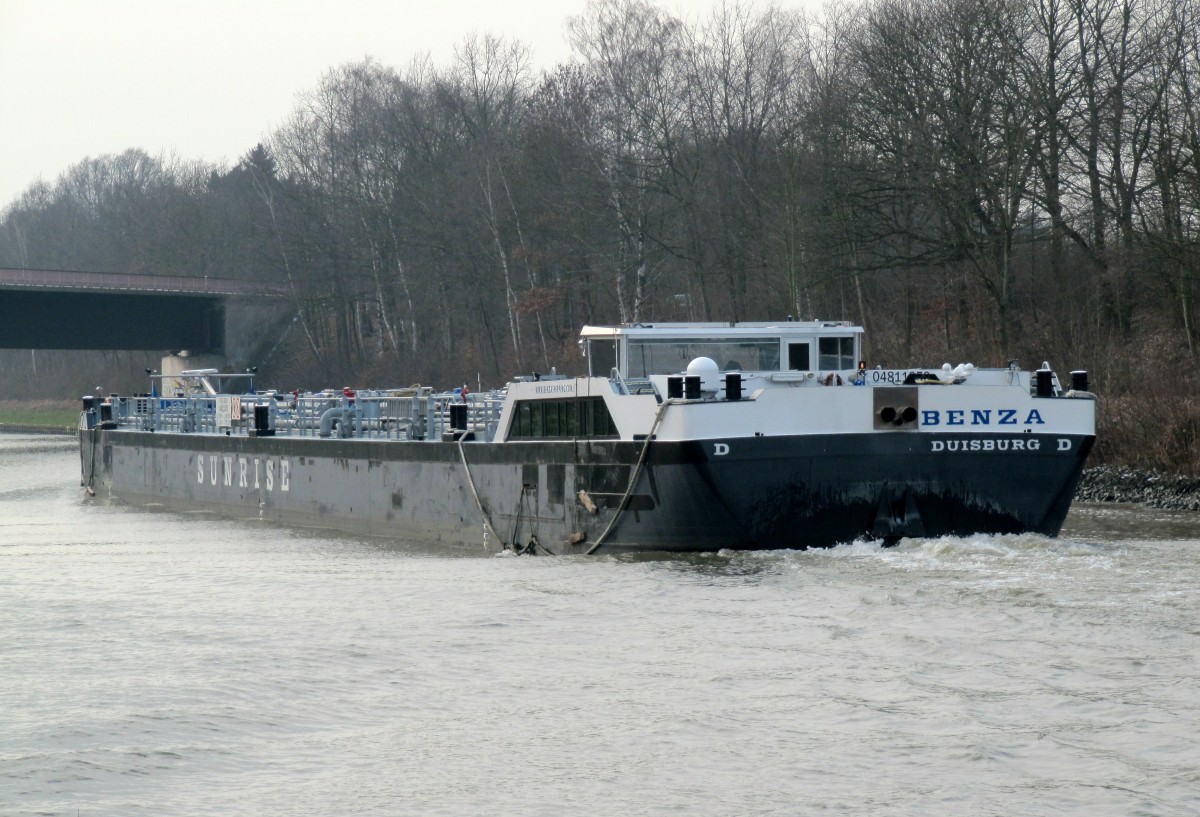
(709, 372)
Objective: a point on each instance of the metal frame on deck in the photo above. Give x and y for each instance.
(372, 415)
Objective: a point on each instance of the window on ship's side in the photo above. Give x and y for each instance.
(561, 419)
(523, 421)
(835, 354)
(600, 422)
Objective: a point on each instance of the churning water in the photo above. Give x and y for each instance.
(154, 663)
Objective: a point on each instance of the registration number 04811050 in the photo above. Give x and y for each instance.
(891, 377)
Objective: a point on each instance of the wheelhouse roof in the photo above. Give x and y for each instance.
(722, 330)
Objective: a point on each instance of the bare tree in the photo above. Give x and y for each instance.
(632, 50)
(490, 84)
(1116, 43)
(742, 69)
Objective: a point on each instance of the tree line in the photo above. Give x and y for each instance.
(978, 180)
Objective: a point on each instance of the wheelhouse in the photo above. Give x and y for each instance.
(642, 350)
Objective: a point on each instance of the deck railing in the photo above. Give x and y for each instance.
(407, 414)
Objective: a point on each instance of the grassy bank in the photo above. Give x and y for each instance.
(48, 413)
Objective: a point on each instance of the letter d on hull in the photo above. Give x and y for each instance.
(720, 449)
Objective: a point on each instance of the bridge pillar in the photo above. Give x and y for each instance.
(177, 364)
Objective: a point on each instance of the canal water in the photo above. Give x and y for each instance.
(154, 663)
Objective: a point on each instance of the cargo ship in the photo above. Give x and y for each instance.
(682, 437)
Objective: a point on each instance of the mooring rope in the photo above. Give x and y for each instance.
(483, 514)
(91, 479)
(534, 544)
(82, 461)
(633, 478)
(516, 528)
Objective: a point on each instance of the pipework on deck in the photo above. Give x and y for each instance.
(408, 414)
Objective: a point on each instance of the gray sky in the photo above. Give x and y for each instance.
(207, 79)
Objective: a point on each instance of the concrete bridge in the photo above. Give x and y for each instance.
(58, 309)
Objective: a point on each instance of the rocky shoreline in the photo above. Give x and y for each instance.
(1107, 483)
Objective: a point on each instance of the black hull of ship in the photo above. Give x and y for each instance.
(570, 497)
(822, 491)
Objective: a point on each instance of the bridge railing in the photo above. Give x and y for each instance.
(134, 282)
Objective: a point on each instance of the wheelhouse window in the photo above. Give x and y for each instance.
(602, 356)
(561, 419)
(835, 354)
(647, 357)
